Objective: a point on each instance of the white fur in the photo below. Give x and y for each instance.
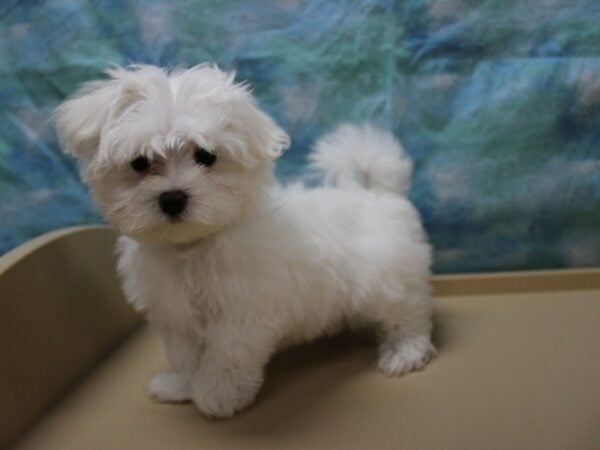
(251, 266)
(363, 157)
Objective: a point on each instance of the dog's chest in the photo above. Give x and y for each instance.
(173, 291)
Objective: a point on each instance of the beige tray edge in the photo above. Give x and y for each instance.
(514, 282)
(27, 248)
(444, 285)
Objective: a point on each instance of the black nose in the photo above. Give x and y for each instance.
(172, 203)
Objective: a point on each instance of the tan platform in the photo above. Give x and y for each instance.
(518, 368)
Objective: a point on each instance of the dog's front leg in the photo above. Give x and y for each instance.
(183, 354)
(230, 371)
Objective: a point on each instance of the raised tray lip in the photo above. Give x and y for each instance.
(22, 251)
(527, 281)
(490, 283)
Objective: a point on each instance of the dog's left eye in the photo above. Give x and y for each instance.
(204, 157)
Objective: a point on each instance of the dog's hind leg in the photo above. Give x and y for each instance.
(405, 338)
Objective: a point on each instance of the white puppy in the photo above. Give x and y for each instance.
(225, 263)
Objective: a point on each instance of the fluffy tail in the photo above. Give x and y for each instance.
(362, 156)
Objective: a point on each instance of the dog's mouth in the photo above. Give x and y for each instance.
(175, 219)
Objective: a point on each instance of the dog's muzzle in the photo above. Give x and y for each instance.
(173, 203)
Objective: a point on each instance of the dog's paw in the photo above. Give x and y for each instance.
(222, 397)
(169, 387)
(405, 356)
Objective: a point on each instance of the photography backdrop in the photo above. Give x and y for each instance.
(497, 102)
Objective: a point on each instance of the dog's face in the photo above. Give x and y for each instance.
(171, 157)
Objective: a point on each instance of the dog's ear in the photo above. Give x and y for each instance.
(80, 119)
(265, 140)
(208, 88)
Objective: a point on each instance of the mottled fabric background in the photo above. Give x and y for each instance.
(497, 101)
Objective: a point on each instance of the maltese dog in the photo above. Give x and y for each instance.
(225, 263)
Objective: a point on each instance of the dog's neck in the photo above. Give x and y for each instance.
(186, 247)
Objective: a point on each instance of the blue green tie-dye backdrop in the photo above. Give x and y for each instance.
(497, 101)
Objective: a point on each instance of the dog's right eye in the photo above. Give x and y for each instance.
(140, 164)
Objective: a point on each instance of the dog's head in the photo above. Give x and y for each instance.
(170, 156)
